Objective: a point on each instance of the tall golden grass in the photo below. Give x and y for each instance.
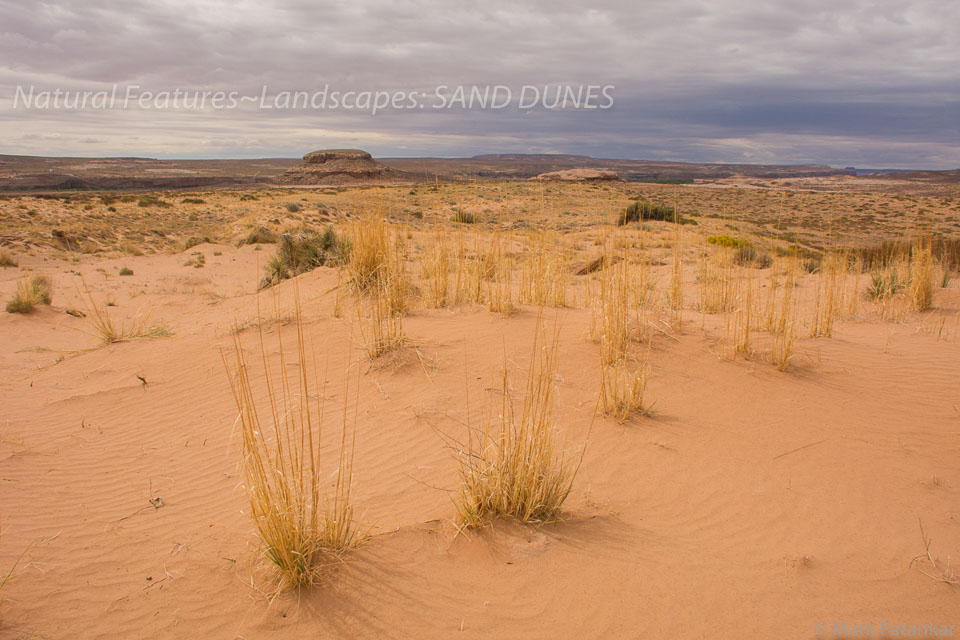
(435, 267)
(301, 524)
(381, 326)
(544, 276)
(515, 468)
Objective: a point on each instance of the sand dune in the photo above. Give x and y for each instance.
(752, 503)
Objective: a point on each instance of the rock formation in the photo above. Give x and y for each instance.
(342, 166)
(579, 175)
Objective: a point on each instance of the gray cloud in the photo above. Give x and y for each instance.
(864, 83)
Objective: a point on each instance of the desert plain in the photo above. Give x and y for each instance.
(755, 402)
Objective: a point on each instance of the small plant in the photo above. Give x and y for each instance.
(728, 241)
(464, 217)
(196, 260)
(30, 293)
(104, 327)
(884, 284)
(193, 201)
(748, 256)
(301, 524)
(302, 251)
(260, 235)
(642, 210)
(622, 390)
(152, 201)
(516, 470)
(382, 328)
(126, 272)
(922, 280)
(292, 207)
(193, 241)
(7, 260)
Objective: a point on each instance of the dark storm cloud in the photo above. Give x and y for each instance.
(867, 83)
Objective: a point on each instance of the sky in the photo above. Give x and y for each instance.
(855, 83)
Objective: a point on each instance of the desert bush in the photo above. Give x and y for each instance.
(7, 260)
(303, 250)
(464, 217)
(514, 468)
(193, 201)
(30, 293)
(728, 241)
(126, 272)
(128, 246)
(193, 241)
(748, 256)
(292, 207)
(643, 210)
(302, 526)
(884, 283)
(152, 201)
(260, 235)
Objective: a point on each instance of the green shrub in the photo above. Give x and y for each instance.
(304, 250)
(884, 284)
(643, 210)
(292, 207)
(126, 271)
(193, 201)
(728, 241)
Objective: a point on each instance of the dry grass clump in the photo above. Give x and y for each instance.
(378, 262)
(7, 259)
(499, 269)
(300, 523)
(717, 282)
(381, 326)
(464, 217)
(676, 282)
(622, 389)
(259, 235)
(470, 270)
(922, 276)
(435, 266)
(611, 314)
(30, 293)
(109, 332)
(516, 469)
(783, 322)
(544, 277)
(828, 294)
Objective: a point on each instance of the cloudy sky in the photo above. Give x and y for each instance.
(869, 84)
